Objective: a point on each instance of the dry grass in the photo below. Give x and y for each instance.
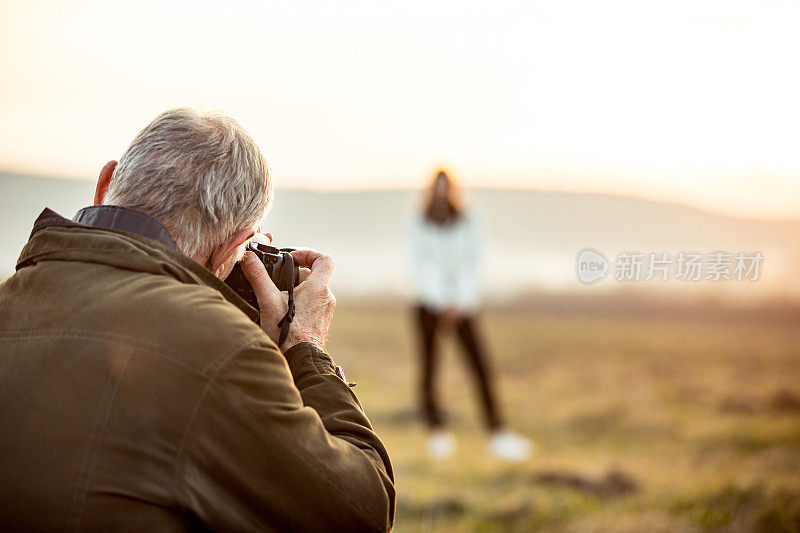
(641, 424)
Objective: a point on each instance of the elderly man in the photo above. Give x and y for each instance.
(136, 390)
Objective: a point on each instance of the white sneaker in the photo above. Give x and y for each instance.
(441, 444)
(509, 446)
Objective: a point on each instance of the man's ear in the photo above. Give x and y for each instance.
(224, 251)
(103, 181)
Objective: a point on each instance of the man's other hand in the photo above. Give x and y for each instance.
(272, 303)
(314, 302)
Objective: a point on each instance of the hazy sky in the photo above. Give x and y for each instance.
(693, 101)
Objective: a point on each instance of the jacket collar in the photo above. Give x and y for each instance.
(111, 217)
(125, 219)
(116, 241)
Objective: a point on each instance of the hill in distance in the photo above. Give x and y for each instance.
(530, 238)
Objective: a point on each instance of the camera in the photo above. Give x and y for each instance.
(280, 265)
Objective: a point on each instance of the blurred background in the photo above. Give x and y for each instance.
(620, 126)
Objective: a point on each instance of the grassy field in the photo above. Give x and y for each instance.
(640, 423)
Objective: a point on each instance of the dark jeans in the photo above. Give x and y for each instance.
(429, 324)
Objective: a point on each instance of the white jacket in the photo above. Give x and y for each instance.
(445, 261)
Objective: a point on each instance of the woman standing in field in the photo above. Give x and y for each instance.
(445, 249)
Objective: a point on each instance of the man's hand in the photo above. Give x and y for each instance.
(272, 303)
(314, 302)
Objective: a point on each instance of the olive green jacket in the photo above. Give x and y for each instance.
(137, 393)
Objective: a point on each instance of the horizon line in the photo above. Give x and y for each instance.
(390, 188)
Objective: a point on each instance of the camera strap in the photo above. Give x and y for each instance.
(286, 321)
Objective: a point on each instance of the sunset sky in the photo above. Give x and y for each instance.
(692, 101)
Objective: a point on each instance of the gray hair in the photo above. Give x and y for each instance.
(199, 174)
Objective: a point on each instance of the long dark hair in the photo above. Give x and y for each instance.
(447, 210)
